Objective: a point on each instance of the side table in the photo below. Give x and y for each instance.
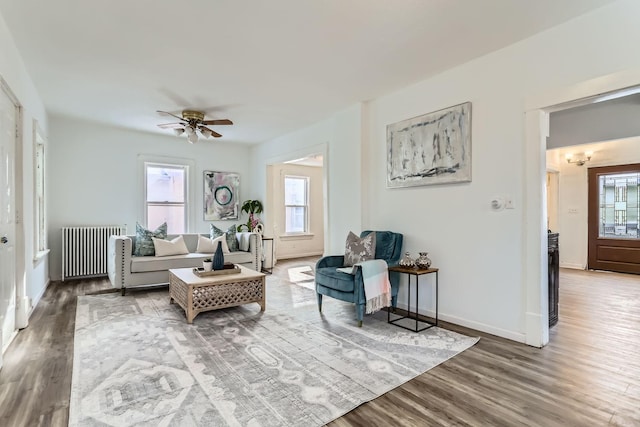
(416, 272)
(270, 269)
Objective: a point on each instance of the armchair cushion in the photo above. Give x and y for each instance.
(359, 249)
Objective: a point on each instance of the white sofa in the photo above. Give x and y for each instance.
(128, 271)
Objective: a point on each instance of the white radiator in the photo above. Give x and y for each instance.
(84, 250)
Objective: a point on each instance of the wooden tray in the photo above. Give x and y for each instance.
(198, 271)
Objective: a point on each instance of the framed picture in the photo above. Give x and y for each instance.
(221, 195)
(434, 148)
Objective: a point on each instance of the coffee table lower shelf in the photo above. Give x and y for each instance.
(199, 294)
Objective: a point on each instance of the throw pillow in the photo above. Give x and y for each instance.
(359, 249)
(209, 246)
(144, 243)
(170, 247)
(232, 241)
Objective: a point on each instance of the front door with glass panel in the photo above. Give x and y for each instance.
(614, 210)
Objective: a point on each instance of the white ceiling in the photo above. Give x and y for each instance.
(270, 66)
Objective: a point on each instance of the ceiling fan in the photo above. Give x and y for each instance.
(191, 122)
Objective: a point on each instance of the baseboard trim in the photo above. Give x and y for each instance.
(298, 255)
(572, 266)
(482, 327)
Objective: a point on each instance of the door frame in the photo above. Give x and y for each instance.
(534, 262)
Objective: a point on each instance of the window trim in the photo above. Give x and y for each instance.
(306, 231)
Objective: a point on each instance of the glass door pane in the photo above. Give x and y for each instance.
(618, 206)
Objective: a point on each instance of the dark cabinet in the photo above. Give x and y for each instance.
(554, 277)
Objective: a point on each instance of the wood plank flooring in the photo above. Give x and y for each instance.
(589, 374)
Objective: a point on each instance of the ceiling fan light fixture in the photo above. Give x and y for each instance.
(205, 132)
(178, 131)
(189, 130)
(192, 137)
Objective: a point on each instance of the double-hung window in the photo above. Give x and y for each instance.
(166, 196)
(40, 221)
(296, 202)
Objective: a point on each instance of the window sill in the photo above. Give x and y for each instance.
(299, 236)
(38, 257)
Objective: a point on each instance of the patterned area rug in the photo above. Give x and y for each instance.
(137, 361)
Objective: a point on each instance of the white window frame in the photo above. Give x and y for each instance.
(40, 248)
(306, 180)
(187, 164)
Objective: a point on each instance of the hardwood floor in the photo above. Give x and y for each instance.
(589, 374)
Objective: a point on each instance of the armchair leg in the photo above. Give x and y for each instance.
(123, 291)
(360, 313)
(319, 302)
(394, 303)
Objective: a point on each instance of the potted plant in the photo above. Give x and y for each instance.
(251, 207)
(207, 264)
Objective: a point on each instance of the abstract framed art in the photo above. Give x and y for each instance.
(434, 148)
(221, 195)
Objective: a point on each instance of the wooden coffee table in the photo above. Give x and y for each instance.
(198, 294)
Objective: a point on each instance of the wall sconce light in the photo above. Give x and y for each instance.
(579, 161)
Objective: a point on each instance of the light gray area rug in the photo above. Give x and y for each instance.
(137, 361)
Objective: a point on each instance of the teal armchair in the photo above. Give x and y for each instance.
(350, 287)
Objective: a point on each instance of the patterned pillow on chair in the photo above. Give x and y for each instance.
(359, 249)
(144, 242)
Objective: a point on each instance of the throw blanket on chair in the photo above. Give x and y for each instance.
(377, 288)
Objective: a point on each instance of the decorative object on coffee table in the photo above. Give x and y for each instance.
(423, 260)
(407, 261)
(218, 258)
(207, 264)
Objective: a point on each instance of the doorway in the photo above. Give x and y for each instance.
(9, 120)
(614, 208)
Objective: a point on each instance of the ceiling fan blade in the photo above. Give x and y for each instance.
(171, 114)
(213, 132)
(171, 125)
(217, 122)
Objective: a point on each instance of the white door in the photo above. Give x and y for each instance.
(8, 120)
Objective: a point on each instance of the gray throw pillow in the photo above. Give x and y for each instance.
(232, 241)
(359, 249)
(144, 242)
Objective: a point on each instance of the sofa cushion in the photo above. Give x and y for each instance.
(170, 247)
(144, 242)
(209, 246)
(358, 249)
(232, 241)
(155, 263)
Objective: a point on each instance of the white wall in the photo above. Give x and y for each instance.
(341, 137)
(481, 253)
(94, 176)
(32, 276)
(573, 203)
(308, 244)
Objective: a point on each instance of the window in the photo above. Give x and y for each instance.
(40, 220)
(165, 196)
(296, 202)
